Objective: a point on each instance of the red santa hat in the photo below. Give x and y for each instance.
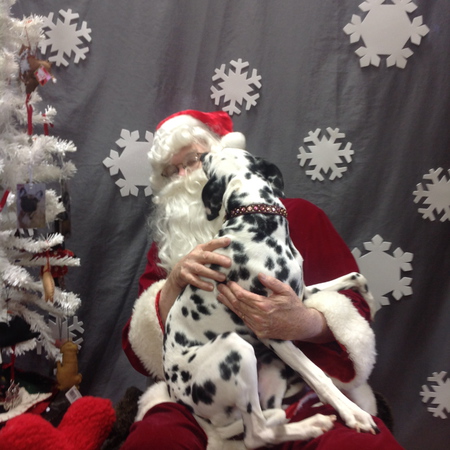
(219, 122)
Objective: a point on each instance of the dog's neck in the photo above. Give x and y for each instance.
(244, 197)
(259, 208)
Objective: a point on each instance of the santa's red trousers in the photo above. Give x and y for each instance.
(172, 426)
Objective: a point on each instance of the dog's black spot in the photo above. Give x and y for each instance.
(195, 315)
(197, 299)
(233, 275)
(249, 408)
(225, 335)
(266, 194)
(187, 391)
(257, 287)
(174, 377)
(267, 357)
(181, 339)
(287, 372)
(204, 393)
(244, 273)
(269, 264)
(234, 317)
(233, 360)
(225, 371)
(237, 247)
(240, 259)
(282, 262)
(282, 274)
(210, 335)
(184, 311)
(271, 402)
(185, 376)
(203, 310)
(192, 357)
(295, 285)
(228, 410)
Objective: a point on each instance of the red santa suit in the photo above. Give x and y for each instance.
(348, 360)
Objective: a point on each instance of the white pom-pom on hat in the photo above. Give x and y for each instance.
(233, 140)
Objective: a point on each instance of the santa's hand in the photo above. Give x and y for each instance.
(281, 315)
(193, 266)
(190, 269)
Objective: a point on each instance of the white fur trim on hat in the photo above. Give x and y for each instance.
(178, 121)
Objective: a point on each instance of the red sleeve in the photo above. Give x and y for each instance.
(326, 256)
(152, 274)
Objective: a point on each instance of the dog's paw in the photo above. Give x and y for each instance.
(359, 420)
(317, 425)
(275, 417)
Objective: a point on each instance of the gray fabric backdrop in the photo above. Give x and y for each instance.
(148, 59)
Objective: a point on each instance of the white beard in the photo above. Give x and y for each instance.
(179, 223)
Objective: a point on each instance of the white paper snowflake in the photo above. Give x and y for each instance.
(236, 87)
(385, 30)
(325, 154)
(435, 194)
(440, 394)
(63, 329)
(64, 38)
(384, 271)
(133, 163)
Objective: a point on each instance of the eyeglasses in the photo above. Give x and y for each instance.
(189, 163)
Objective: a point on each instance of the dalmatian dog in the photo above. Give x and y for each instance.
(213, 363)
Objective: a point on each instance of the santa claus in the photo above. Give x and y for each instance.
(332, 330)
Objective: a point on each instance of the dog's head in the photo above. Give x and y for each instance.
(29, 202)
(229, 170)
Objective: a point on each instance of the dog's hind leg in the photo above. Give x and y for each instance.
(351, 414)
(353, 280)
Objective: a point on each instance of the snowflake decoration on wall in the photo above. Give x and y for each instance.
(440, 394)
(385, 30)
(436, 195)
(236, 87)
(63, 329)
(64, 38)
(384, 271)
(133, 163)
(325, 154)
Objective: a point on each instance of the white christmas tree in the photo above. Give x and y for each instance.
(32, 255)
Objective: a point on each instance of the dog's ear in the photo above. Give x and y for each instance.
(212, 196)
(272, 174)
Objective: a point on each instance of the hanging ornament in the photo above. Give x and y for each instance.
(67, 371)
(31, 205)
(48, 282)
(33, 71)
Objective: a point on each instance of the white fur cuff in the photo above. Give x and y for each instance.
(146, 336)
(350, 329)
